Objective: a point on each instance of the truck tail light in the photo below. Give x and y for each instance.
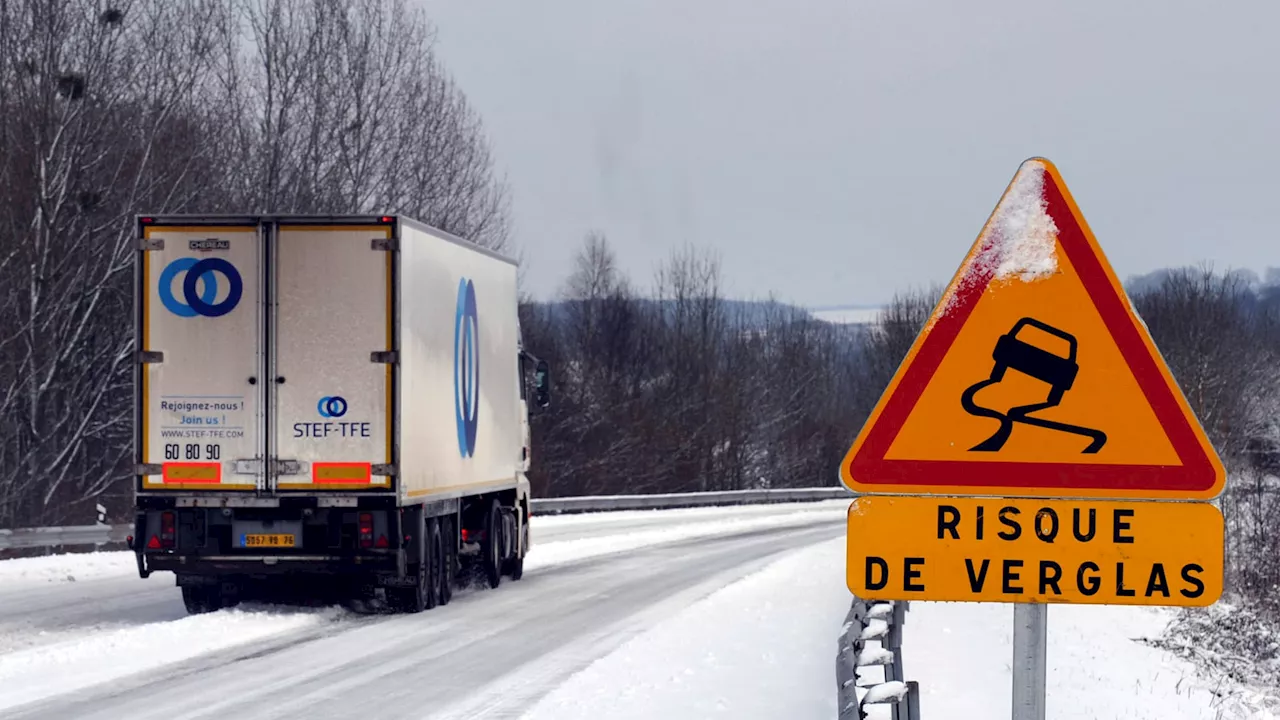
(168, 519)
(366, 530)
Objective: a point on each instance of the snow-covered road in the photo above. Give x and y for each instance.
(109, 645)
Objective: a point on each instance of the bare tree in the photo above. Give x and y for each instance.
(99, 113)
(153, 106)
(342, 107)
(1222, 342)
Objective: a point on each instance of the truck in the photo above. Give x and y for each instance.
(331, 407)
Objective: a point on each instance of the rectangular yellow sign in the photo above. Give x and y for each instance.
(1053, 551)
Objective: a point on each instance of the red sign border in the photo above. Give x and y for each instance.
(1200, 476)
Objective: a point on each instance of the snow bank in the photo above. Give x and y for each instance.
(763, 647)
(30, 675)
(65, 568)
(1098, 666)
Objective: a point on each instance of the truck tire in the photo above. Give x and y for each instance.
(491, 548)
(422, 595)
(201, 599)
(449, 548)
(435, 563)
(515, 566)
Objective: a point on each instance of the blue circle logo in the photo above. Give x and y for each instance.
(332, 407)
(200, 287)
(466, 367)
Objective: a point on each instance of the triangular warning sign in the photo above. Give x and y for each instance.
(1034, 376)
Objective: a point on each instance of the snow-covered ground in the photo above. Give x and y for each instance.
(43, 671)
(73, 567)
(37, 663)
(759, 644)
(695, 523)
(623, 530)
(763, 647)
(850, 315)
(1098, 666)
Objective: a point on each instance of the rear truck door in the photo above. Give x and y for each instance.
(332, 336)
(199, 358)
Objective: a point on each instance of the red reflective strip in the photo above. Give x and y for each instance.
(341, 472)
(192, 472)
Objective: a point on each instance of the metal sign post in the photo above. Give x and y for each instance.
(1030, 645)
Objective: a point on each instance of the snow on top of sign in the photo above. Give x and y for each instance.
(1021, 239)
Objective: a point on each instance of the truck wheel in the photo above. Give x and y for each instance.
(420, 596)
(201, 599)
(448, 543)
(434, 562)
(491, 548)
(515, 566)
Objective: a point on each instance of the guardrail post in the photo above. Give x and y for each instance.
(913, 700)
(894, 642)
(881, 623)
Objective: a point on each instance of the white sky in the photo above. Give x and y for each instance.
(835, 151)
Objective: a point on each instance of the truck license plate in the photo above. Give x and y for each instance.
(266, 541)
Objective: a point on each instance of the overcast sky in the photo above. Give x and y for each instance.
(836, 151)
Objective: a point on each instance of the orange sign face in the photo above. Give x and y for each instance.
(1034, 376)
(1046, 551)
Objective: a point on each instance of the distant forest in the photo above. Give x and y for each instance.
(674, 389)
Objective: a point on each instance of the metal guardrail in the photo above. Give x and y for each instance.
(596, 503)
(71, 536)
(68, 536)
(872, 638)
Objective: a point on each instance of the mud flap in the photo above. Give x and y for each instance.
(139, 544)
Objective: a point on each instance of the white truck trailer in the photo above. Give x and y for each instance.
(333, 406)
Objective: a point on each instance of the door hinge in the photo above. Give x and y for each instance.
(149, 357)
(148, 469)
(252, 466)
(286, 467)
(388, 470)
(384, 357)
(385, 244)
(147, 244)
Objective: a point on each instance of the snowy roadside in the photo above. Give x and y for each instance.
(73, 658)
(72, 567)
(78, 567)
(555, 553)
(1237, 650)
(1100, 666)
(763, 647)
(41, 672)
